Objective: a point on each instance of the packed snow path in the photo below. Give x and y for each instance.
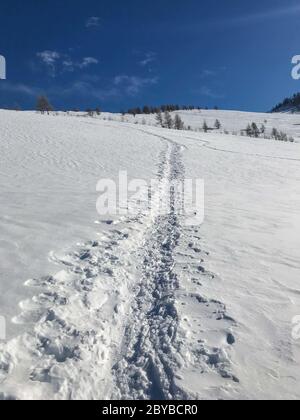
(147, 366)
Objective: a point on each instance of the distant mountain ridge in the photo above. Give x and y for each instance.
(291, 105)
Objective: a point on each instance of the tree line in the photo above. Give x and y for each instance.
(147, 110)
(254, 131)
(43, 105)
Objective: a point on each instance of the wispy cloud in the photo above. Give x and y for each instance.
(87, 61)
(148, 58)
(93, 22)
(70, 65)
(132, 85)
(49, 58)
(55, 61)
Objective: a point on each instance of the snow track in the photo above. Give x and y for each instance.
(146, 369)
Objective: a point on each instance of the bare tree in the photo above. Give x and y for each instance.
(43, 105)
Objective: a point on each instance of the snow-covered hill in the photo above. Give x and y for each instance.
(232, 122)
(147, 306)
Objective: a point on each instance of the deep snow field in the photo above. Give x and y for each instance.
(147, 306)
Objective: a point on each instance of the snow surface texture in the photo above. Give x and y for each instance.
(147, 307)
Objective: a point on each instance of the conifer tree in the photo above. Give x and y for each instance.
(205, 127)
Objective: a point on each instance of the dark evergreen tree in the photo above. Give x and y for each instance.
(205, 127)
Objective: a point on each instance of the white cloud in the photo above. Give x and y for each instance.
(70, 65)
(54, 60)
(92, 22)
(49, 58)
(88, 61)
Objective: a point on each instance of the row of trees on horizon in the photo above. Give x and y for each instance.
(162, 108)
(44, 105)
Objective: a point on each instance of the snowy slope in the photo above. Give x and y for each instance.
(147, 306)
(49, 170)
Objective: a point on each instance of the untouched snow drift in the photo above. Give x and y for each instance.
(146, 306)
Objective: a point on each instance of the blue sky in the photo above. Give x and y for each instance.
(116, 54)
